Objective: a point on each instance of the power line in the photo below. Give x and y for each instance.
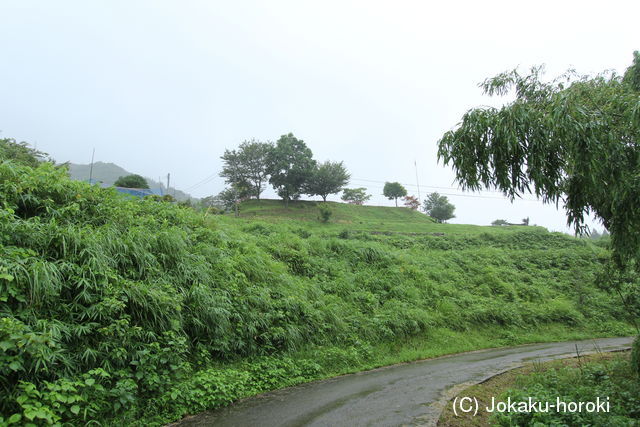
(414, 185)
(487, 197)
(201, 182)
(211, 177)
(473, 196)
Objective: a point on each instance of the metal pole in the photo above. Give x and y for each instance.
(91, 167)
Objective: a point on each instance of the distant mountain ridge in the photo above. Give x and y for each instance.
(108, 173)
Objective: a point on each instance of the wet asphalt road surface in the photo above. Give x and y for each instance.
(405, 394)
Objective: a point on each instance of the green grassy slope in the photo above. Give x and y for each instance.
(353, 217)
(138, 311)
(343, 213)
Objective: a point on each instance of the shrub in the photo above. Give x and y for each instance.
(608, 379)
(324, 213)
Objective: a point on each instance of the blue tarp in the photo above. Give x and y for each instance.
(136, 192)
(139, 192)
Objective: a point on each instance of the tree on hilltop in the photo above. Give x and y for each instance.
(131, 181)
(231, 197)
(394, 190)
(438, 207)
(290, 165)
(247, 166)
(327, 178)
(411, 202)
(355, 196)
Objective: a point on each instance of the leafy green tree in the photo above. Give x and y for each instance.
(355, 196)
(231, 197)
(20, 152)
(131, 181)
(394, 190)
(573, 140)
(500, 222)
(327, 178)
(290, 165)
(247, 166)
(438, 207)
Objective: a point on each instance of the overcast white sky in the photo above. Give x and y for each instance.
(166, 86)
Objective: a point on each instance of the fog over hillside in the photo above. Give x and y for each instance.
(160, 86)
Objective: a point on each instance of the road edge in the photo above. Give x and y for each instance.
(450, 393)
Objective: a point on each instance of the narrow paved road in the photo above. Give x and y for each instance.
(406, 394)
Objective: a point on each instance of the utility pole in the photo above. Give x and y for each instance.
(168, 178)
(91, 167)
(415, 164)
(160, 184)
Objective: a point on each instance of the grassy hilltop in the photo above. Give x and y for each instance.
(354, 216)
(383, 219)
(139, 311)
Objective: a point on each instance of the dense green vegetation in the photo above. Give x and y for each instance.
(583, 378)
(573, 140)
(610, 380)
(21, 152)
(130, 311)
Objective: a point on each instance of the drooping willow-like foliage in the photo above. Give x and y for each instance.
(574, 140)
